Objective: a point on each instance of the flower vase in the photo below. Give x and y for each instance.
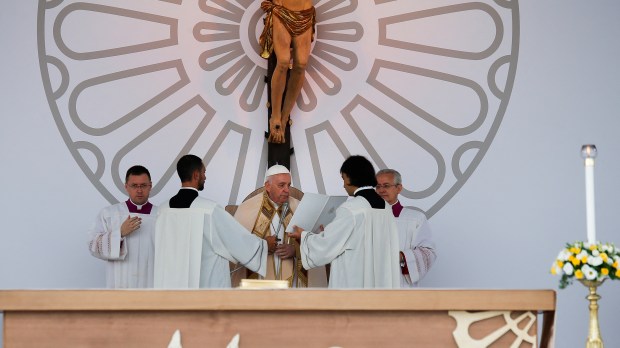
(594, 333)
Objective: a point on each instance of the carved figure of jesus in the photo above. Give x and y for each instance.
(289, 29)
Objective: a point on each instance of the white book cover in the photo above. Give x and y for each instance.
(315, 210)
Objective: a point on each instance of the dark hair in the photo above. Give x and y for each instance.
(360, 171)
(137, 170)
(187, 165)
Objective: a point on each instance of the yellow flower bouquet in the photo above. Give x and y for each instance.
(586, 261)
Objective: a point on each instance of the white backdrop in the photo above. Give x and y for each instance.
(502, 229)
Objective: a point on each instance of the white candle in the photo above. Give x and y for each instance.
(588, 152)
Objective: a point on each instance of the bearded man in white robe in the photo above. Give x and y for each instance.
(361, 243)
(417, 250)
(196, 239)
(123, 235)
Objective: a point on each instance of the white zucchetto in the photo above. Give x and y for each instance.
(276, 169)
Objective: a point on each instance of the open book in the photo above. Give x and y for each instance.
(315, 210)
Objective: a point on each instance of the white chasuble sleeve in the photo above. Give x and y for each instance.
(178, 248)
(318, 249)
(105, 241)
(232, 241)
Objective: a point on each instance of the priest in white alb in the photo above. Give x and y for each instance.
(196, 239)
(123, 235)
(417, 249)
(361, 243)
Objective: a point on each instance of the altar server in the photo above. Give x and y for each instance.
(362, 241)
(195, 238)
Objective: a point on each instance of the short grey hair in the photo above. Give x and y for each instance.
(398, 180)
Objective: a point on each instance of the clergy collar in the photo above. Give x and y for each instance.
(397, 208)
(139, 209)
(370, 195)
(362, 188)
(189, 188)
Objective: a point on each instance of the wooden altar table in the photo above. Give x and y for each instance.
(277, 318)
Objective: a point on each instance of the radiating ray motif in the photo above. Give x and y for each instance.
(109, 11)
(420, 86)
(519, 327)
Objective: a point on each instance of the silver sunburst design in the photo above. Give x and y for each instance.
(420, 86)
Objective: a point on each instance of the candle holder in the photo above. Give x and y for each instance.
(594, 333)
(591, 265)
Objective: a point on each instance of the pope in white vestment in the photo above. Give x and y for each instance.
(260, 215)
(129, 257)
(248, 215)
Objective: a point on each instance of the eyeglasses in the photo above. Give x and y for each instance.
(385, 186)
(139, 187)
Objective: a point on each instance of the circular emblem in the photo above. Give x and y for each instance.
(418, 86)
